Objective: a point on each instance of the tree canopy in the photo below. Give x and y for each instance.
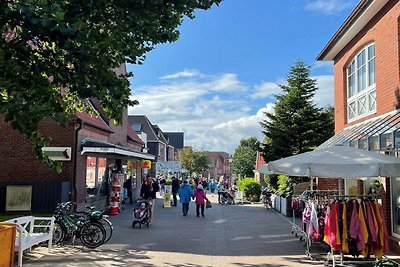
(194, 161)
(244, 158)
(297, 125)
(55, 54)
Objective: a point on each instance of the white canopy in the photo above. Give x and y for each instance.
(336, 162)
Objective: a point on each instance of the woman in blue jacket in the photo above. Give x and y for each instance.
(185, 193)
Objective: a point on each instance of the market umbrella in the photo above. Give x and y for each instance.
(336, 162)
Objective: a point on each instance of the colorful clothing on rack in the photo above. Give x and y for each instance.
(356, 227)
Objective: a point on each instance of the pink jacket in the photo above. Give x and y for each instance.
(200, 196)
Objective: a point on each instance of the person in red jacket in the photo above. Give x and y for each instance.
(200, 198)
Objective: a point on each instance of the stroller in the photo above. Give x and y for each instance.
(141, 213)
(226, 198)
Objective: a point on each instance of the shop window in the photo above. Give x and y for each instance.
(397, 139)
(361, 87)
(362, 143)
(96, 181)
(386, 141)
(395, 185)
(374, 142)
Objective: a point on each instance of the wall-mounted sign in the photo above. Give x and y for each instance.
(58, 153)
(146, 164)
(18, 198)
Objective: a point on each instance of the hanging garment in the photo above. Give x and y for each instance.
(378, 248)
(307, 213)
(345, 242)
(371, 223)
(363, 239)
(326, 225)
(313, 229)
(385, 231)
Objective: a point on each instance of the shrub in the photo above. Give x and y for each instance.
(251, 189)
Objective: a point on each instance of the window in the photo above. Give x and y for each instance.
(395, 185)
(96, 182)
(361, 87)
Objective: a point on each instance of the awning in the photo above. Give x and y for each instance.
(379, 133)
(90, 146)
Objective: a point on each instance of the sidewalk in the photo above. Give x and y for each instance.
(228, 236)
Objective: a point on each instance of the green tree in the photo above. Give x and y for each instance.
(244, 158)
(194, 161)
(56, 54)
(296, 125)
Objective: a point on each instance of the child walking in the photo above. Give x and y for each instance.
(200, 196)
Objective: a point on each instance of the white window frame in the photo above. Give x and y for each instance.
(363, 101)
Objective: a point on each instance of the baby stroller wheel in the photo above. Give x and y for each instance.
(140, 225)
(148, 224)
(133, 224)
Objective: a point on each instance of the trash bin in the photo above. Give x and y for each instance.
(7, 244)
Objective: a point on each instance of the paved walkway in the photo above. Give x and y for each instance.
(237, 236)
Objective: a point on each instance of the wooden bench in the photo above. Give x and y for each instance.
(32, 231)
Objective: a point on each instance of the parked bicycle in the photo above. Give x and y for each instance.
(85, 226)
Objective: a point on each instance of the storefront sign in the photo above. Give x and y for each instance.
(146, 164)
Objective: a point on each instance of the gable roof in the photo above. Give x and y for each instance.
(94, 121)
(134, 137)
(176, 139)
(147, 127)
(355, 22)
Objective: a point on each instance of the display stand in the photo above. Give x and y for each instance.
(115, 195)
(167, 196)
(301, 233)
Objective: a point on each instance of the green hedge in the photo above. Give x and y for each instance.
(251, 189)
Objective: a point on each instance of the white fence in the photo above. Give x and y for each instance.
(280, 204)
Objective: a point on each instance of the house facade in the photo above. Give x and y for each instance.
(95, 151)
(219, 166)
(366, 55)
(157, 142)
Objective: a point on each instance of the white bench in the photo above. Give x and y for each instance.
(32, 231)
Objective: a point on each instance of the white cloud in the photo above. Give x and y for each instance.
(182, 74)
(325, 93)
(331, 6)
(208, 112)
(214, 112)
(266, 89)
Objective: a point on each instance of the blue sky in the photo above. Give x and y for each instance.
(215, 82)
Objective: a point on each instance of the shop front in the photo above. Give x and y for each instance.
(108, 166)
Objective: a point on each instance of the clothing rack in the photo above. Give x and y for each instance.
(301, 233)
(339, 257)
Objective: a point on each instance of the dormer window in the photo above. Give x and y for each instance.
(361, 86)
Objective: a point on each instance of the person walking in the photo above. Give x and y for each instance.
(200, 196)
(148, 191)
(185, 192)
(221, 190)
(213, 186)
(129, 186)
(175, 188)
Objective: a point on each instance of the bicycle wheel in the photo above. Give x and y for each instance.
(92, 234)
(108, 227)
(59, 232)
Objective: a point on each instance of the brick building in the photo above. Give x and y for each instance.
(98, 149)
(366, 55)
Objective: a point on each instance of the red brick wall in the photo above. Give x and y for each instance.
(383, 29)
(18, 162)
(327, 183)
